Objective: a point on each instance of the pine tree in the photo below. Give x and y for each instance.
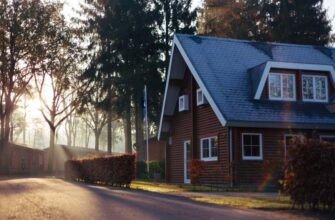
(301, 22)
(177, 18)
(291, 21)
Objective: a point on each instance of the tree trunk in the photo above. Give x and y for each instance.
(2, 134)
(51, 151)
(87, 136)
(97, 136)
(7, 127)
(109, 132)
(139, 127)
(52, 145)
(127, 129)
(167, 34)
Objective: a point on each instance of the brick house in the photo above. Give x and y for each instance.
(236, 105)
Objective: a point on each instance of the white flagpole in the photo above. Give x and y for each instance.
(146, 123)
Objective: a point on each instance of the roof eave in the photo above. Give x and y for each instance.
(282, 125)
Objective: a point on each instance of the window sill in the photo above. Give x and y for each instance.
(252, 158)
(209, 159)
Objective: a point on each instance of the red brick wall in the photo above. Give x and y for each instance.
(194, 124)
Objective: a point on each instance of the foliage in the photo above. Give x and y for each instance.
(115, 170)
(196, 168)
(177, 17)
(154, 167)
(25, 25)
(309, 174)
(297, 21)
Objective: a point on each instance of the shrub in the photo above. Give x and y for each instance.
(154, 167)
(115, 170)
(196, 167)
(310, 174)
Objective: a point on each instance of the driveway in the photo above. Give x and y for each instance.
(51, 198)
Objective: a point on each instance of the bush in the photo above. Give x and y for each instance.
(154, 167)
(310, 174)
(196, 168)
(115, 170)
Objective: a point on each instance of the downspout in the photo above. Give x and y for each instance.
(231, 154)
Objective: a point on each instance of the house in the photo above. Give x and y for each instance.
(156, 150)
(22, 160)
(237, 104)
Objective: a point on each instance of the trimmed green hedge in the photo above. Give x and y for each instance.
(154, 167)
(114, 170)
(310, 174)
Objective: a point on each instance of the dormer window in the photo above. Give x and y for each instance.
(314, 88)
(183, 103)
(201, 100)
(282, 86)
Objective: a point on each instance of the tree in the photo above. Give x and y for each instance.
(127, 57)
(23, 26)
(301, 22)
(177, 18)
(57, 76)
(92, 114)
(295, 21)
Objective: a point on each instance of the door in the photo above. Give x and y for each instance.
(187, 161)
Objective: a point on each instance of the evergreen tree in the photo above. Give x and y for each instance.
(177, 18)
(126, 58)
(301, 22)
(291, 21)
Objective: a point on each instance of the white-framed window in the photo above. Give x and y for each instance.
(209, 148)
(282, 86)
(201, 99)
(328, 138)
(183, 103)
(252, 146)
(314, 88)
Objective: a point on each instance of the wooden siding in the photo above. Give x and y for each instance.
(267, 171)
(196, 123)
(298, 76)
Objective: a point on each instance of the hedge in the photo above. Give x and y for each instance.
(310, 174)
(154, 167)
(114, 170)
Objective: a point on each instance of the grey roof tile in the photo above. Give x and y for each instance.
(225, 65)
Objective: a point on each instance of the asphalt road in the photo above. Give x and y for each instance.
(50, 198)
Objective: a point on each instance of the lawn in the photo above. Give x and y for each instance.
(257, 202)
(167, 188)
(231, 199)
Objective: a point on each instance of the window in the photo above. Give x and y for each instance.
(328, 138)
(183, 103)
(252, 146)
(282, 86)
(315, 88)
(200, 97)
(209, 149)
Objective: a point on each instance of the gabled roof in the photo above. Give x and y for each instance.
(232, 72)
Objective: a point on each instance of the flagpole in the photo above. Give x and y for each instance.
(146, 124)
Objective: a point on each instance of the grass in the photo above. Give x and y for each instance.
(167, 188)
(254, 202)
(279, 202)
